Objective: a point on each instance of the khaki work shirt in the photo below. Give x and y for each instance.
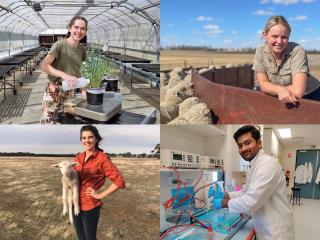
(294, 60)
(67, 58)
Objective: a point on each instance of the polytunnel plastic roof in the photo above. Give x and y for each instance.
(20, 16)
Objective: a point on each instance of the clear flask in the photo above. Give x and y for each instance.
(81, 83)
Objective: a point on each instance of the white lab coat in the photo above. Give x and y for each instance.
(301, 173)
(310, 172)
(318, 177)
(264, 198)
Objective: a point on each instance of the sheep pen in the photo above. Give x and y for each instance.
(177, 102)
(31, 197)
(176, 85)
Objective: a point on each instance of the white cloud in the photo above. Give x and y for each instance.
(213, 30)
(204, 18)
(309, 43)
(227, 41)
(169, 39)
(259, 32)
(288, 2)
(264, 1)
(211, 27)
(309, 30)
(65, 138)
(234, 32)
(214, 33)
(299, 18)
(169, 25)
(302, 40)
(285, 2)
(263, 13)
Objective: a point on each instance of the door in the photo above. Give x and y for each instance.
(308, 190)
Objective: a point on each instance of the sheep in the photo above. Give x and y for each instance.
(163, 80)
(230, 65)
(198, 114)
(169, 106)
(70, 188)
(187, 104)
(203, 70)
(174, 80)
(177, 72)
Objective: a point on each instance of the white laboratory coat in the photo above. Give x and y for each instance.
(264, 198)
(310, 173)
(318, 177)
(301, 173)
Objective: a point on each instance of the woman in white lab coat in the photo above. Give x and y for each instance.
(264, 194)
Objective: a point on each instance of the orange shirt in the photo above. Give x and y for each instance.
(93, 174)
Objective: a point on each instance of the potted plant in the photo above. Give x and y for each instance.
(95, 68)
(111, 79)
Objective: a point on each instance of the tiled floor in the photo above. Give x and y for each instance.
(307, 219)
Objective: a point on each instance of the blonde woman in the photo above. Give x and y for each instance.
(281, 67)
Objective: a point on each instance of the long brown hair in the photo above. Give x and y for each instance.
(71, 23)
(95, 132)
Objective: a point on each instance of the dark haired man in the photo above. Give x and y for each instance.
(264, 193)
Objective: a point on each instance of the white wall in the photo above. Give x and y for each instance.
(215, 146)
(271, 144)
(177, 138)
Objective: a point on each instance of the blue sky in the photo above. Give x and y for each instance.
(66, 139)
(236, 24)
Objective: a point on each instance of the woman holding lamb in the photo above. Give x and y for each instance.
(93, 167)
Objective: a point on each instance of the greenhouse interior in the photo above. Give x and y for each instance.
(122, 35)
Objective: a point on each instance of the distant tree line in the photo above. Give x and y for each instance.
(225, 50)
(123, 155)
(17, 154)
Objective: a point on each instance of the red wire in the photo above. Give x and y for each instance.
(170, 201)
(185, 227)
(251, 234)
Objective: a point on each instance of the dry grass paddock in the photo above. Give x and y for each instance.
(179, 59)
(31, 201)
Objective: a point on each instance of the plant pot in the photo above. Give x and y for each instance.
(110, 83)
(95, 96)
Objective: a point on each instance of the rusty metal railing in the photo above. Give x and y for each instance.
(235, 105)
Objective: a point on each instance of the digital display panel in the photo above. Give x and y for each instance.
(177, 156)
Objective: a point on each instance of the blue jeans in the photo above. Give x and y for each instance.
(315, 95)
(86, 224)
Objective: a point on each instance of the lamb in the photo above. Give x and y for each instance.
(70, 188)
(192, 111)
(203, 70)
(177, 71)
(187, 104)
(163, 80)
(169, 104)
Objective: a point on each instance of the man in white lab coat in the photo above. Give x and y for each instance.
(264, 193)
